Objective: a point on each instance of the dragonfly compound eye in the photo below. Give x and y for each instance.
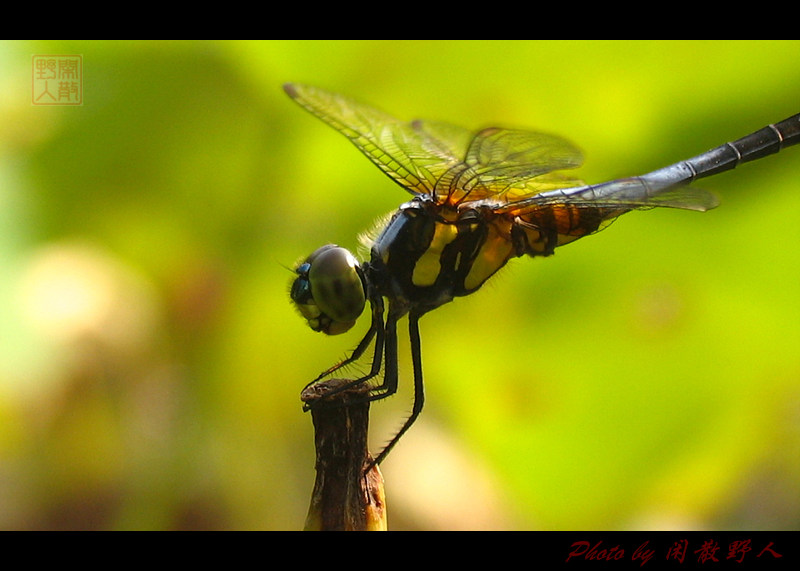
(329, 291)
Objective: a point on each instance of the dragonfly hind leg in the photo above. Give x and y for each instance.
(390, 379)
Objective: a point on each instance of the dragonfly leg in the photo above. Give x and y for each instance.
(523, 231)
(376, 331)
(419, 387)
(386, 338)
(390, 374)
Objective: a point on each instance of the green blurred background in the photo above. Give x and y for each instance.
(647, 377)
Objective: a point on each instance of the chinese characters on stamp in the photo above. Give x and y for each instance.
(57, 80)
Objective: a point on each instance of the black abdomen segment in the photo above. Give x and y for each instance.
(761, 143)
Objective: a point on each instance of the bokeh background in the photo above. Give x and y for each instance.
(647, 377)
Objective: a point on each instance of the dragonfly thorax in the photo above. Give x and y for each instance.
(427, 255)
(329, 290)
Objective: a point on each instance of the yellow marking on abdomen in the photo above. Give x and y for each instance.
(494, 253)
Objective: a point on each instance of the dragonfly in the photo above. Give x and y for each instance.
(478, 199)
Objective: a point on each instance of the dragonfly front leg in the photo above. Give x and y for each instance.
(376, 330)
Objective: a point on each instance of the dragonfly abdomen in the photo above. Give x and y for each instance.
(547, 227)
(765, 141)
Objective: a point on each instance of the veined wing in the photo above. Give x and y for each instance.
(631, 193)
(442, 160)
(667, 186)
(509, 164)
(415, 155)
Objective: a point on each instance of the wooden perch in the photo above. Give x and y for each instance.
(345, 497)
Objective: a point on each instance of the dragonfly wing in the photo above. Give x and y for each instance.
(627, 194)
(415, 155)
(500, 161)
(443, 140)
(508, 153)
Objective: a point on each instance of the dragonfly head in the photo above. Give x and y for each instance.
(329, 290)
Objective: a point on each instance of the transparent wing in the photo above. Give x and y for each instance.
(511, 170)
(500, 161)
(629, 193)
(443, 160)
(415, 155)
